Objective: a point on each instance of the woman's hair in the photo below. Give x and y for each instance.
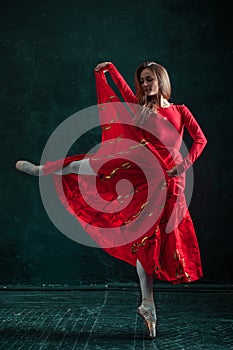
(163, 81)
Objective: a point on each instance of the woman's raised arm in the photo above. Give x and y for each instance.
(118, 79)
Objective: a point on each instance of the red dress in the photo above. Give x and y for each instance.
(164, 238)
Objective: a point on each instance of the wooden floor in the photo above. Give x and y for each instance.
(106, 318)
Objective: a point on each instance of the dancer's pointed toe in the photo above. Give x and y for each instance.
(149, 316)
(27, 167)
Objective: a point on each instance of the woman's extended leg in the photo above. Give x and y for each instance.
(76, 167)
(147, 307)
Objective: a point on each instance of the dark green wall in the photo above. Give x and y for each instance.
(48, 50)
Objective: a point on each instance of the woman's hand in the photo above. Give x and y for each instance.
(177, 170)
(173, 172)
(102, 66)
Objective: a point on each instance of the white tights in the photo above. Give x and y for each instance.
(146, 283)
(77, 167)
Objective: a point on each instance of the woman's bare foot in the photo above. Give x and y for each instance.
(29, 168)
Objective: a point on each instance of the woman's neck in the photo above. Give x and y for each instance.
(164, 103)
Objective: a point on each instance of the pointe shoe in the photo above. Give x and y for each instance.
(149, 316)
(27, 167)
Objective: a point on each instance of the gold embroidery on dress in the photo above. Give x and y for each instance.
(142, 143)
(137, 214)
(134, 248)
(176, 254)
(106, 127)
(132, 147)
(157, 206)
(163, 186)
(180, 270)
(120, 196)
(127, 195)
(123, 152)
(117, 139)
(188, 277)
(158, 266)
(111, 97)
(112, 174)
(124, 166)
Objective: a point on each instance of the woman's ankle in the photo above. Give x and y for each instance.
(40, 170)
(148, 301)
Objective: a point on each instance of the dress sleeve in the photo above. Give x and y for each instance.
(199, 139)
(120, 82)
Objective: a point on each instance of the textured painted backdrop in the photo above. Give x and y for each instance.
(48, 52)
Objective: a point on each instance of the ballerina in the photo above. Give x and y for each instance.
(172, 257)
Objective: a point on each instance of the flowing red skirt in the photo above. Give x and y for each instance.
(169, 256)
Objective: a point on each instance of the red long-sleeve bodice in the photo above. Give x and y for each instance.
(178, 115)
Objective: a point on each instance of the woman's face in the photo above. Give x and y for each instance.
(148, 82)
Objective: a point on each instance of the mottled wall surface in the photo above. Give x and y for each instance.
(48, 52)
